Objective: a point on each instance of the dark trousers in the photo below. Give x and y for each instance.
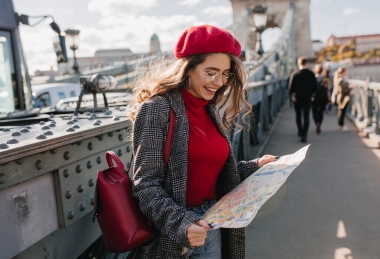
(302, 110)
(318, 111)
(341, 115)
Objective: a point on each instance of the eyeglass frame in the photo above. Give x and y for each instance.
(217, 76)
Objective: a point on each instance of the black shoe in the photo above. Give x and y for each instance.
(303, 139)
(318, 130)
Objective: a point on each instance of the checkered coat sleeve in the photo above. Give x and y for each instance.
(162, 195)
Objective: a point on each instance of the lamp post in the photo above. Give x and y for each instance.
(260, 21)
(72, 37)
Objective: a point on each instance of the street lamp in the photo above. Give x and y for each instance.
(72, 37)
(260, 21)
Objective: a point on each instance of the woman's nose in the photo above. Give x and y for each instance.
(219, 81)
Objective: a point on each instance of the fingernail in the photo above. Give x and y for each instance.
(277, 157)
(210, 225)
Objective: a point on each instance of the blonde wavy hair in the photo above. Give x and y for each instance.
(338, 74)
(164, 76)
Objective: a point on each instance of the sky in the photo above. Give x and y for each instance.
(130, 23)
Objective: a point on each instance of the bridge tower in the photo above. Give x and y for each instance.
(276, 10)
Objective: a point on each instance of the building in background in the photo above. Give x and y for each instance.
(155, 46)
(363, 43)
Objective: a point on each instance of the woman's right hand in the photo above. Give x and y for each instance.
(197, 232)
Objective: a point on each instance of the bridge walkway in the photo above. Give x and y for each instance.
(329, 208)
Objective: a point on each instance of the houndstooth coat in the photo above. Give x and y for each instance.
(162, 195)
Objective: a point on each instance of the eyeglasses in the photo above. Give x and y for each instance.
(213, 76)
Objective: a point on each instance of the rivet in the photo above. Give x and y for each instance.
(93, 114)
(121, 138)
(70, 130)
(12, 141)
(110, 134)
(119, 152)
(19, 161)
(68, 195)
(3, 146)
(53, 122)
(66, 173)
(79, 169)
(70, 122)
(75, 120)
(99, 160)
(108, 112)
(79, 143)
(91, 182)
(117, 108)
(2, 179)
(66, 155)
(88, 113)
(89, 164)
(99, 121)
(80, 188)
(70, 215)
(95, 123)
(24, 130)
(45, 128)
(128, 149)
(6, 130)
(82, 207)
(116, 118)
(51, 125)
(122, 109)
(42, 123)
(100, 137)
(53, 151)
(90, 146)
(51, 115)
(41, 136)
(16, 134)
(76, 126)
(28, 127)
(48, 133)
(91, 118)
(92, 201)
(39, 164)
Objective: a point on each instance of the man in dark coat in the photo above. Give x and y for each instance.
(302, 86)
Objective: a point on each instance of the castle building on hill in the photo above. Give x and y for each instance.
(363, 43)
(155, 46)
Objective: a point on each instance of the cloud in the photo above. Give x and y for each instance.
(189, 2)
(120, 7)
(349, 11)
(218, 10)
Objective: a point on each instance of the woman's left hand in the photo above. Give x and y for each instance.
(266, 159)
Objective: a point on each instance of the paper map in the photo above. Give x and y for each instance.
(239, 207)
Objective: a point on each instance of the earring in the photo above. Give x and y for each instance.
(187, 86)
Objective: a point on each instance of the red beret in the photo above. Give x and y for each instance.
(206, 39)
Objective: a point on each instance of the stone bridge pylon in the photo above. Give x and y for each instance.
(276, 10)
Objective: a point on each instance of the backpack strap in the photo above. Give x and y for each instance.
(168, 142)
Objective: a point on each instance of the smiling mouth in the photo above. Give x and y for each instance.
(213, 90)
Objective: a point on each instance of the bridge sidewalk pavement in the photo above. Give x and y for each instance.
(329, 208)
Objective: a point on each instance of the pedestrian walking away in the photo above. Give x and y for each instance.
(341, 93)
(303, 85)
(320, 97)
(207, 78)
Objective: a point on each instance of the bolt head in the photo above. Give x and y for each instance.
(68, 195)
(120, 152)
(51, 125)
(70, 122)
(76, 126)
(19, 161)
(91, 182)
(80, 188)
(6, 130)
(45, 128)
(121, 138)
(70, 215)
(99, 160)
(39, 164)
(100, 137)
(12, 141)
(16, 134)
(24, 130)
(28, 127)
(110, 134)
(128, 149)
(66, 173)
(3, 146)
(82, 207)
(89, 164)
(41, 136)
(92, 201)
(67, 155)
(79, 169)
(42, 123)
(95, 123)
(90, 146)
(70, 130)
(53, 151)
(48, 133)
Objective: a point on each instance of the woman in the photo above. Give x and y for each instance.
(207, 77)
(341, 93)
(321, 97)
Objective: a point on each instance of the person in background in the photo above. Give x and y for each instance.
(207, 77)
(302, 87)
(320, 97)
(288, 89)
(326, 76)
(341, 92)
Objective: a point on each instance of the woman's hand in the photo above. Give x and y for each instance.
(197, 232)
(266, 159)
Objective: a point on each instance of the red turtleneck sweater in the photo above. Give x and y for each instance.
(207, 154)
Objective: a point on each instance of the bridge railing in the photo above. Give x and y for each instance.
(365, 106)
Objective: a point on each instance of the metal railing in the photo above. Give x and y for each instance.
(365, 106)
